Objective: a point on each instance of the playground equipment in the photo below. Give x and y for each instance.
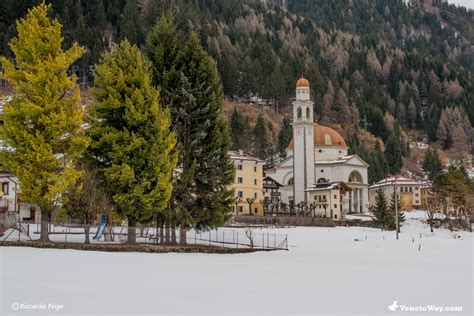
(104, 220)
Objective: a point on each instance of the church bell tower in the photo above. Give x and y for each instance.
(303, 139)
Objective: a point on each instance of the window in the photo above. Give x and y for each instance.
(299, 113)
(322, 170)
(417, 188)
(241, 194)
(411, 189)
(241, 209)
(5, 188)
(256, 210)
(335, 196)
(335, 206)
(240, 180)
(255, 195)
(239, 167)
(307, 112)
(291, 181)
(417, 194)
(335, 216)
(320, 151)
(255, 181)
(254, 169)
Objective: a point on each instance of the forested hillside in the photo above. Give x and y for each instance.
(403, 71)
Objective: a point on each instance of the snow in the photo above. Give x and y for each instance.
(337, 271)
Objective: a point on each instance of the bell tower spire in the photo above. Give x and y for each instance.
(303, 137)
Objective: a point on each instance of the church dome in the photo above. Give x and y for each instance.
(325, 136)
(302, 83)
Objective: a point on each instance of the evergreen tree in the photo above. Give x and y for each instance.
(261, 139)
(132, 143)
(285, 135)
(162, 47)
(239, 129)
(203, 140)
(393, 153)
(381, 213)
(130, 25)
(42, 122)
(432, 164)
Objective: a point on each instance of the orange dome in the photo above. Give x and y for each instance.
(325, 136)
(302, 83)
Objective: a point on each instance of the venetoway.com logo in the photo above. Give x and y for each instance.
(41, 306)
(394, 307)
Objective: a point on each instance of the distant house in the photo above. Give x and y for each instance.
(271, 191)
(410, 191)
(329, 199)
(11, 206)
(248, 184)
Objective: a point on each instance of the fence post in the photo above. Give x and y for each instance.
(237, 243)
(223, 239)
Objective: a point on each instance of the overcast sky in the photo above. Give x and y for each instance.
(466, 3)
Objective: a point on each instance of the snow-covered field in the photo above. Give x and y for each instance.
(336, 271)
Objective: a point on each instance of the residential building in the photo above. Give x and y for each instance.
(409, 191)
(329, 199)
(271, 192)
(248, 184)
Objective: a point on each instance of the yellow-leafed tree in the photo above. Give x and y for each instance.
(42, 123)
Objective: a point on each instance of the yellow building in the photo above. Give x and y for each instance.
(248, 184)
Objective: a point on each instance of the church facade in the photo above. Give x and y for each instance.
(318, 154)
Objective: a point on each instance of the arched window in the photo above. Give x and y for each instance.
(323, 180)
(307, 112)
(355, 177)
(299, 112)
(291, 181)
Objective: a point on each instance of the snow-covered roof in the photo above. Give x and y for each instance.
(341, 160)
(327, 186)
(240, 155)
(400, 180)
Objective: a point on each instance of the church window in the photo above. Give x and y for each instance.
(322, 180)
(335, 206)
(355, 177)
(307, 112)
(320, 151)
(291, 181)
(335, 216)
(299, 113)
(335, 196)
(327, 139)
(322, 170)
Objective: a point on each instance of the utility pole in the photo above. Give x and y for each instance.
(396, 206)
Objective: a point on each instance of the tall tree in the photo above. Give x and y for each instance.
(261, 139)
(285, 135)
(130, 25)
(392, 211)
(131, 139)
(239, 130)
(432, 164)
(203, 140)
(43, 120)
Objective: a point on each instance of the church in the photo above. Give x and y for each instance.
(317, 160)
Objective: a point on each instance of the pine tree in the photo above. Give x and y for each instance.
(130, 25)
(132, 143)
(381, 213)
(162, 47)
(239, 130)
(42, 122)
(285, 135)
(432, 164)
(203, 140)
(261, 139)
(393, 152)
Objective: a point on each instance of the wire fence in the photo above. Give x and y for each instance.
(242, 237)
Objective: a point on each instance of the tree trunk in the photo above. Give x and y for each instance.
(182, 236)
(167, 234)
(132, 232)
(87, 228)
(173, 235)
(44, 236)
